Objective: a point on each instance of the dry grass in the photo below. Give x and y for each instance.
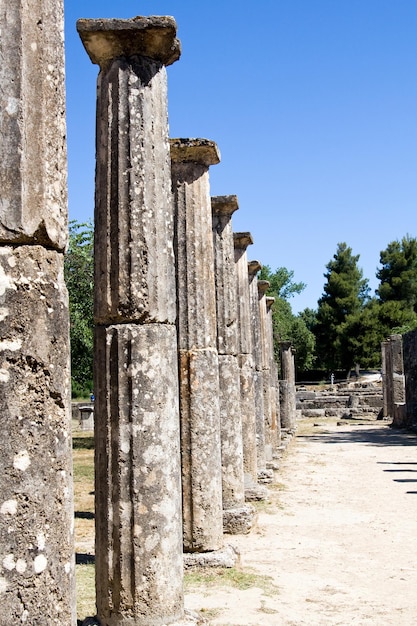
(83, 460)
(238, 578)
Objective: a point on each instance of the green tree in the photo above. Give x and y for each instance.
(286, 325)
(79, 277)
(398, 274)
(345, 295)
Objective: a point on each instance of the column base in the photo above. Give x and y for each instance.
(228, 556)
(265, 476)
(272, 465)
(239, 520)
(190, 619)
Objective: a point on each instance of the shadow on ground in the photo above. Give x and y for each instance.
(375, 436)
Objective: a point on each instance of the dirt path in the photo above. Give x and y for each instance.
(339, 538)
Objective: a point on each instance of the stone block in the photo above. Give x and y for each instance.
(33, 166)
(134, 229)
(138, 487)
(239, 520)
(200, 450)
(36, 508)
(231, 432)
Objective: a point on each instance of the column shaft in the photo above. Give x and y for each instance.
(253, 268)
(37, 581)
(245, 357)
(227, 340)
(199, 365)
(137, 451)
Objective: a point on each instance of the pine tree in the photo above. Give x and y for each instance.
(398, 274)
(345, 294)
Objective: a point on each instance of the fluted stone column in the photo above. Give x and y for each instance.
(287, 387)
(263, 286)
(394, 380)
(37, 584)
(253, 269)
(386, 368)
(247, 367)
(138, 488)
(197, 330)
(274, 383)
(237, 517)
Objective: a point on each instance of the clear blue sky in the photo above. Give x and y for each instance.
(313, 104)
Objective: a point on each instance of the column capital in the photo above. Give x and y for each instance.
(263, 286)
(242, 240)
(224, 205)
(269, 302)
(203, 151)
(254, 267)
(108, 39)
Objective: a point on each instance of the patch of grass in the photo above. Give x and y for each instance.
(86, 594)
(210, 613)
(266, 609)
(229, 577)
(83, 442)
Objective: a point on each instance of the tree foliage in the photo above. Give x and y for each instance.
(79, 277)
(398, 274)
(345, 295)
(286, 325)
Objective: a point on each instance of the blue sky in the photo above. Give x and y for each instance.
(313, 105)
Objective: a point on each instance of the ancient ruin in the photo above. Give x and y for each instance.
(197, 343)
(36, 508)
(137, 456)
(246, 366)
(287, 387)
(410, 374)
(237, 516)
(393, 380)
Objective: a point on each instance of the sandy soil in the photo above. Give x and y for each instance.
(338, 538)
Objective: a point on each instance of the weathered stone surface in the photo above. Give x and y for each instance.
(33, 169)
(287, 402)
(287, 386)
(225, 274)
(239, 520)
(247, 407)
(393, 380)
(274, 385)
(138, 476)
(197, 330)
(153, 37)
(200, 450)
(138, 492)
(228, 556)
(241, 242)
(194, 244)
(203, 152)
(255, 325)
(134, 259)
(231, 432)
(36, 508)
(410, 371)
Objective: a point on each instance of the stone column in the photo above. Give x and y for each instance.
(287, 387)
(386, 379)
(237, 517)
(138, 488)
(247, 367)
(263, 474)
(197, 331)
(37, 583)
(410, 374)
(394, 381)
(263, 286)
(274, 383)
